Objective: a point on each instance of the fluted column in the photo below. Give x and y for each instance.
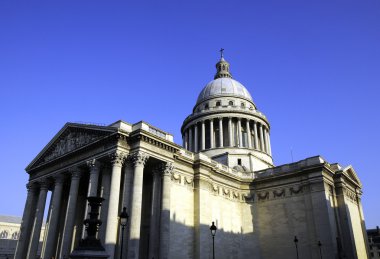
(155, 215)
(55, 205)
(186, 143)
(221, 132)
(35, 240)
(248, 134)
(92, 190)
(261, 137)
(94, 166)
(26, 223)
(190, 139)
(203, 136)
(239, 133)
(70, 214)
(212, 133)
(230, 131)
(195, 138)
(167, 169)
(266, 140)
(269, 146)
(105, 194)
(126, 199)
(139, 160)
(256, 138)
(117, 160)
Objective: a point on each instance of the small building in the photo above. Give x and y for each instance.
(9, 235)
(374, 242)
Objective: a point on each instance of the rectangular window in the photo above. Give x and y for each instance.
(239, 161)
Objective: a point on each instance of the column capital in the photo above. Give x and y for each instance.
(32, 187)
(139, 158)
(166, 168)
(59, 178)
(44, 184)
(117, 158)
(93, 164)
(75, 172)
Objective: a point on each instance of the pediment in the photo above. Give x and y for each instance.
(351, 174)
(70, 138)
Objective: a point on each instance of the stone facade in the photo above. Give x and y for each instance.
(9, 235)
(223, 173)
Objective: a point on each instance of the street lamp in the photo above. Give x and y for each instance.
(320, 248)
(123, 222)
(296, 242)
(213, 231)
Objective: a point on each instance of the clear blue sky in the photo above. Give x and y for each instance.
(313, 67)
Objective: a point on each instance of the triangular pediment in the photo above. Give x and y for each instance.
(70, 138)
(351, 174)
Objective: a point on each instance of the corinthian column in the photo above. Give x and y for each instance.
(195, 138)
(203, 136)
(26, 223)
(239, 133)
(117, 160)
(249, 134)
(256, 138)
(54, 209)
(261, 138)
(212, 133)
(139, 160)
(230, 131)
(155, 214)
(70, 213)
(221, 131)
(190, 139)
(166, 169)
(38, 220)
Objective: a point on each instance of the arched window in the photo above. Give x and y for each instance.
(3, 234)
(242, 105)
(218, 103)
(231, 103)
(206, 106)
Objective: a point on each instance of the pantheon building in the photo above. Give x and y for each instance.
(223, 173)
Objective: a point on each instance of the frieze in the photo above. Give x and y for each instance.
(350, 195)
(72, 141)
(176, 178)
(215, 189)
(263, 196)
(235, 195)
(188, 181)
(249, 197)
(296, 190)
(279, 193)
(226, 192)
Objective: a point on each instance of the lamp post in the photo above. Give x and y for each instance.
(123, 222)
(320, 248)
(213, 231)
(296, 242)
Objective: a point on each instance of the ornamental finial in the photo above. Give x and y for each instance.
(221, 53)
(222, 67)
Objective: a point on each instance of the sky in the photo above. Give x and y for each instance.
(312, 67)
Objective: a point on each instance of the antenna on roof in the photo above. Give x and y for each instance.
(291, 153)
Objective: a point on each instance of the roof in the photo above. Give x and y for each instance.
(224, 87)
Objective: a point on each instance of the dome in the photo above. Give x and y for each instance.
(224, 86)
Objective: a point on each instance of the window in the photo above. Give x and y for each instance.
(372, 255)
(239, 161)
(242, 105)
(218, 103)
(231, 103)
(206, 106)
